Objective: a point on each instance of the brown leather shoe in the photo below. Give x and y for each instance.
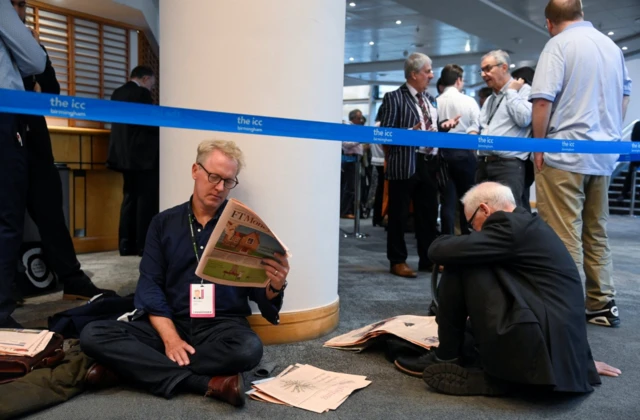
(403, 270)
(99, 377)
(227, 388)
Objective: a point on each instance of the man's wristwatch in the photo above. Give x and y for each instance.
(274, 290)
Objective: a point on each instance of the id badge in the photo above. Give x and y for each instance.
(202, 301)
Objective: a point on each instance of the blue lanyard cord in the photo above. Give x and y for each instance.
(193, 241)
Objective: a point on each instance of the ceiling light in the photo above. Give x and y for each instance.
(351, 58)
(467, 47)
(513, 66)
(352, 4)
(398, 22)
(371, 43)
(610, 33)
(624, 48)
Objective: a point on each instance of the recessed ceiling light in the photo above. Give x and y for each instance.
(371, 43)
(352, 4)
(398, 22)
(610, 33)
(624, 48)
(351, 58)
(467, 47)
(513, 66)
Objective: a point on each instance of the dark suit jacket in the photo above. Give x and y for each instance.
(399, 110)
(133, 147)
(38, 130)
(530, 323)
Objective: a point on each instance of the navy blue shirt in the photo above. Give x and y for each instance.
(168, 268)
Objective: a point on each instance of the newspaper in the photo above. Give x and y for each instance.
(236, 248)
(309, 388)
(419, 330)
(22, 342)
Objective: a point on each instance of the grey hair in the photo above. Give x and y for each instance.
(415, 62)
(493, 194)
(501, 57)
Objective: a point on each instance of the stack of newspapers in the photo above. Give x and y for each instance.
(419, 330)
(21, 342)
(307, 387)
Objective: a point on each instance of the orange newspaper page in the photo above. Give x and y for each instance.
(233, 256)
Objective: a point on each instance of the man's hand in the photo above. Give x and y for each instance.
(517, 84)
(607, 370)
(176, 349)
(538, 160)
(417, 126)
(277, 271)
(451, 123)
(35, 34)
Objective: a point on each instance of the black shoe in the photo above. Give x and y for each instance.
(397, 347)
(415, 366)
(606, 317)
(82, 288)
(452, 379)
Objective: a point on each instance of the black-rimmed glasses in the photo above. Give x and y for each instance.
(488, 68)
(473, 216)
(215, 179)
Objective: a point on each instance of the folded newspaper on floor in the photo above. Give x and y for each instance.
(21, 342)
(307, 387)
(236, 248)
(419, 330)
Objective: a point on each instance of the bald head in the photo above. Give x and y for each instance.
(484, 199)
(561, 11)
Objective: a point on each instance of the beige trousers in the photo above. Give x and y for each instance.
(576, 206)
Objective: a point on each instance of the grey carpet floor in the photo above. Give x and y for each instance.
(367, 294)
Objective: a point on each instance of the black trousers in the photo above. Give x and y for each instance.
(509, 172)
(348, 188)
(140, 202)
(462, 174)
(13, 201)
(44, 202)
(422, 188)
(135, 351)
(377, 203)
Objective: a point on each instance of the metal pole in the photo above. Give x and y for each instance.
(634, 172)
(356, 204)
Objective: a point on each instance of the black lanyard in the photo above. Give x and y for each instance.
(193, 238)
(495, 109)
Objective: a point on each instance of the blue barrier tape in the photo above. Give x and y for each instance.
(31, 103)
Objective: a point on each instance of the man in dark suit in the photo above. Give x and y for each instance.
(515, 280)
(411, 171)
(134, 151)
(44, 193)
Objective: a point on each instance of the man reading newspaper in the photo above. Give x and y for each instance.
(194, 336)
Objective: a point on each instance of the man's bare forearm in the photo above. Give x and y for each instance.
(625, 105)
(165, 327)
(541, 114)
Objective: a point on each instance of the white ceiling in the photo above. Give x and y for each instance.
(103, 8)
(443, 29)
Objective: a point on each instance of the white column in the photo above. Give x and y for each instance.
(279, 58)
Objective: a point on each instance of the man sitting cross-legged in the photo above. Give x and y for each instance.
(173, 348)
(515, 281)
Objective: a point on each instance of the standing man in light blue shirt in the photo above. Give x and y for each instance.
(20, 56)
(580, 93)
(507, 112)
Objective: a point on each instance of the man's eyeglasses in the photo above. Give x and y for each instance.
(473, 216)
(487, 69)
(215, 179)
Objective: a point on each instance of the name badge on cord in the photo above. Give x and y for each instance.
(202, 301)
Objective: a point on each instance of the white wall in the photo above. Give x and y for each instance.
(633, 112)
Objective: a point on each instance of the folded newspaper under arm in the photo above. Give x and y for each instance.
(240, 241)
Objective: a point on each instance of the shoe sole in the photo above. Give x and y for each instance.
(407, 371)
(413, 276)
(75, 297)
(452, 379)
(603, 321)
